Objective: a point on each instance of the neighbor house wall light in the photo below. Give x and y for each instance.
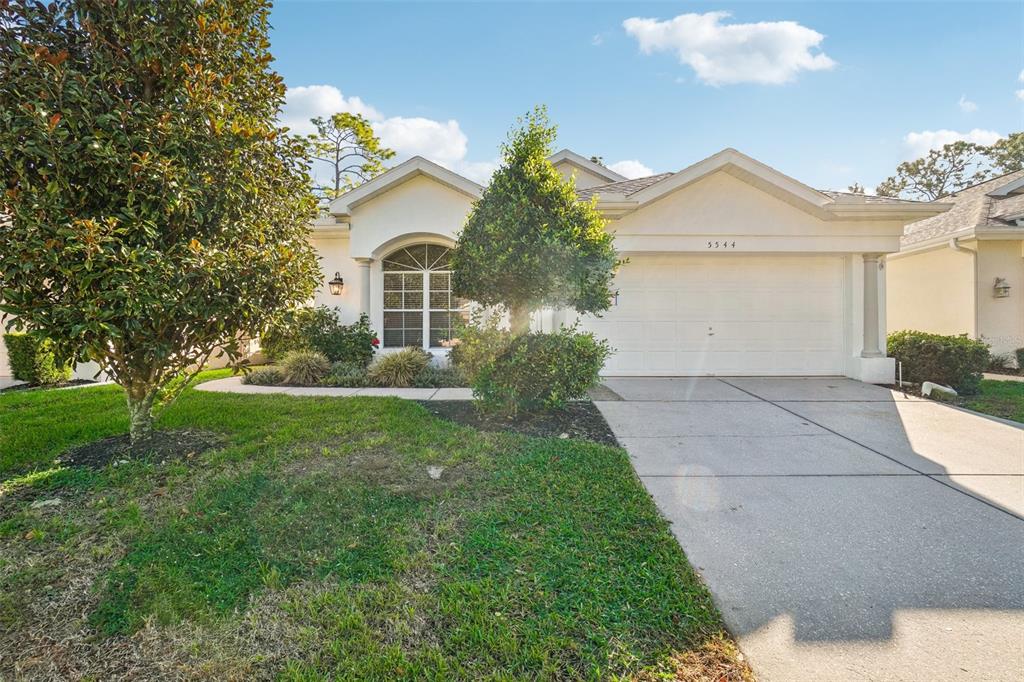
(336, 284)
(1001, 289)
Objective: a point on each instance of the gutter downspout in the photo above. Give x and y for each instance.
(954, 244)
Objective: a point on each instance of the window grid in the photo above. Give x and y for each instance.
(418, 303)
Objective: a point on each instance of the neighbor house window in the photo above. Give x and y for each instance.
(419, 309)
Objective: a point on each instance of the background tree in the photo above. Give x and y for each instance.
(346, 143)
(156, 212)
(1007, 154)
(856, 188)
(529, 242)
(942, 171)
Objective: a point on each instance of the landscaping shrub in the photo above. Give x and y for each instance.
(439, 377)
(347, 375)
(319, 329)
(477, 343)
(538, 372)
(264, 376)
(955, 361)
(1020, 357)
(305, 367)
(398, 369)
(998, 362)
(32, 360)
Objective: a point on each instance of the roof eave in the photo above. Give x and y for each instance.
(908, 212)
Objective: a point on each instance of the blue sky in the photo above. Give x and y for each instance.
(827, 92)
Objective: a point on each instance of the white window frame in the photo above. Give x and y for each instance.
(426, 310)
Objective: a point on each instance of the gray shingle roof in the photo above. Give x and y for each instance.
(626, 187)
(851, 198)
(972, 208)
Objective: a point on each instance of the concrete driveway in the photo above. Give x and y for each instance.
(847, 532)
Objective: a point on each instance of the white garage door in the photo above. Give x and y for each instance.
(726, 315)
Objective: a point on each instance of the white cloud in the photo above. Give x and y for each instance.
(919, 144)
(1020, 94)
(442, 142)
(631, 168)
(966, 105)
(1020, 76)
(309, 101)
(597, 40)
(769, 52)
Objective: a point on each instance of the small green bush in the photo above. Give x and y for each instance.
(398, 369)
(347, 375)
(32, 360)
(956, 361)
(541, 372)
(305, 367)
(998, 362)
(264, 376)
(1020, 357)
(477, 343)
(439, 377)
(319, 329)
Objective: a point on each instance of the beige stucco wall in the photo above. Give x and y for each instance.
(1001, 319)
(931, 291)
(584, 178)
(5, 369)
(419, 207)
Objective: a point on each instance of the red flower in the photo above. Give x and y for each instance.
(375, 342)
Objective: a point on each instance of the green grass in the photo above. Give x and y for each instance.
(999, 398)
(314, 545)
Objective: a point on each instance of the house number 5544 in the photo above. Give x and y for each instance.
(722, 245)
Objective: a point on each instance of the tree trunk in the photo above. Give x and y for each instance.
(519, 320)
(140, 412)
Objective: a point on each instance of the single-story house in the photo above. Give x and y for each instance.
(733, 268)
(962, 272)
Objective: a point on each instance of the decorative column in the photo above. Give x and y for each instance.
(871, 346)
(364, 284)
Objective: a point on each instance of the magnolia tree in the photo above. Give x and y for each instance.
(154, 212)
(529, 241)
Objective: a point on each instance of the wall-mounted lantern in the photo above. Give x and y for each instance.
(336, 284)
(1001, 289)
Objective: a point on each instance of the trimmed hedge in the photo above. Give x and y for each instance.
(956, 361)
(541, 372)
(32, 360)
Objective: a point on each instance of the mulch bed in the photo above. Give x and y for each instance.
(578, 420)
(162, 446)
(29, 387)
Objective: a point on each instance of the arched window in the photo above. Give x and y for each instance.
(419, 309)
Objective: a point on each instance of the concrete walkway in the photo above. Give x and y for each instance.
(235, 385)
(1003, 377)
(8, 382)
(847, 532)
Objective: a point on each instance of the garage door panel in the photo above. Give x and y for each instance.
(726, 315)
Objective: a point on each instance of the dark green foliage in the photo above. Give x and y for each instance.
(264, 376)
(541, 372)
(955, 361)
(319, 329)
(156, 212)
(1020, 357)
(439, 377)
(479, 341)
(305, 368)
(398, 369)
(32, 360)
(529, 242)
(347, 143)
(347, 375)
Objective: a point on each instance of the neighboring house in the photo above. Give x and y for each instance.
(734, 268)
(962, 272)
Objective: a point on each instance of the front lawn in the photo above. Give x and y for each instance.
(318, 541)
(999, 398)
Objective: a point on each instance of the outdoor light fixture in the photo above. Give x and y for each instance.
(336, 284)
(1001, 288)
